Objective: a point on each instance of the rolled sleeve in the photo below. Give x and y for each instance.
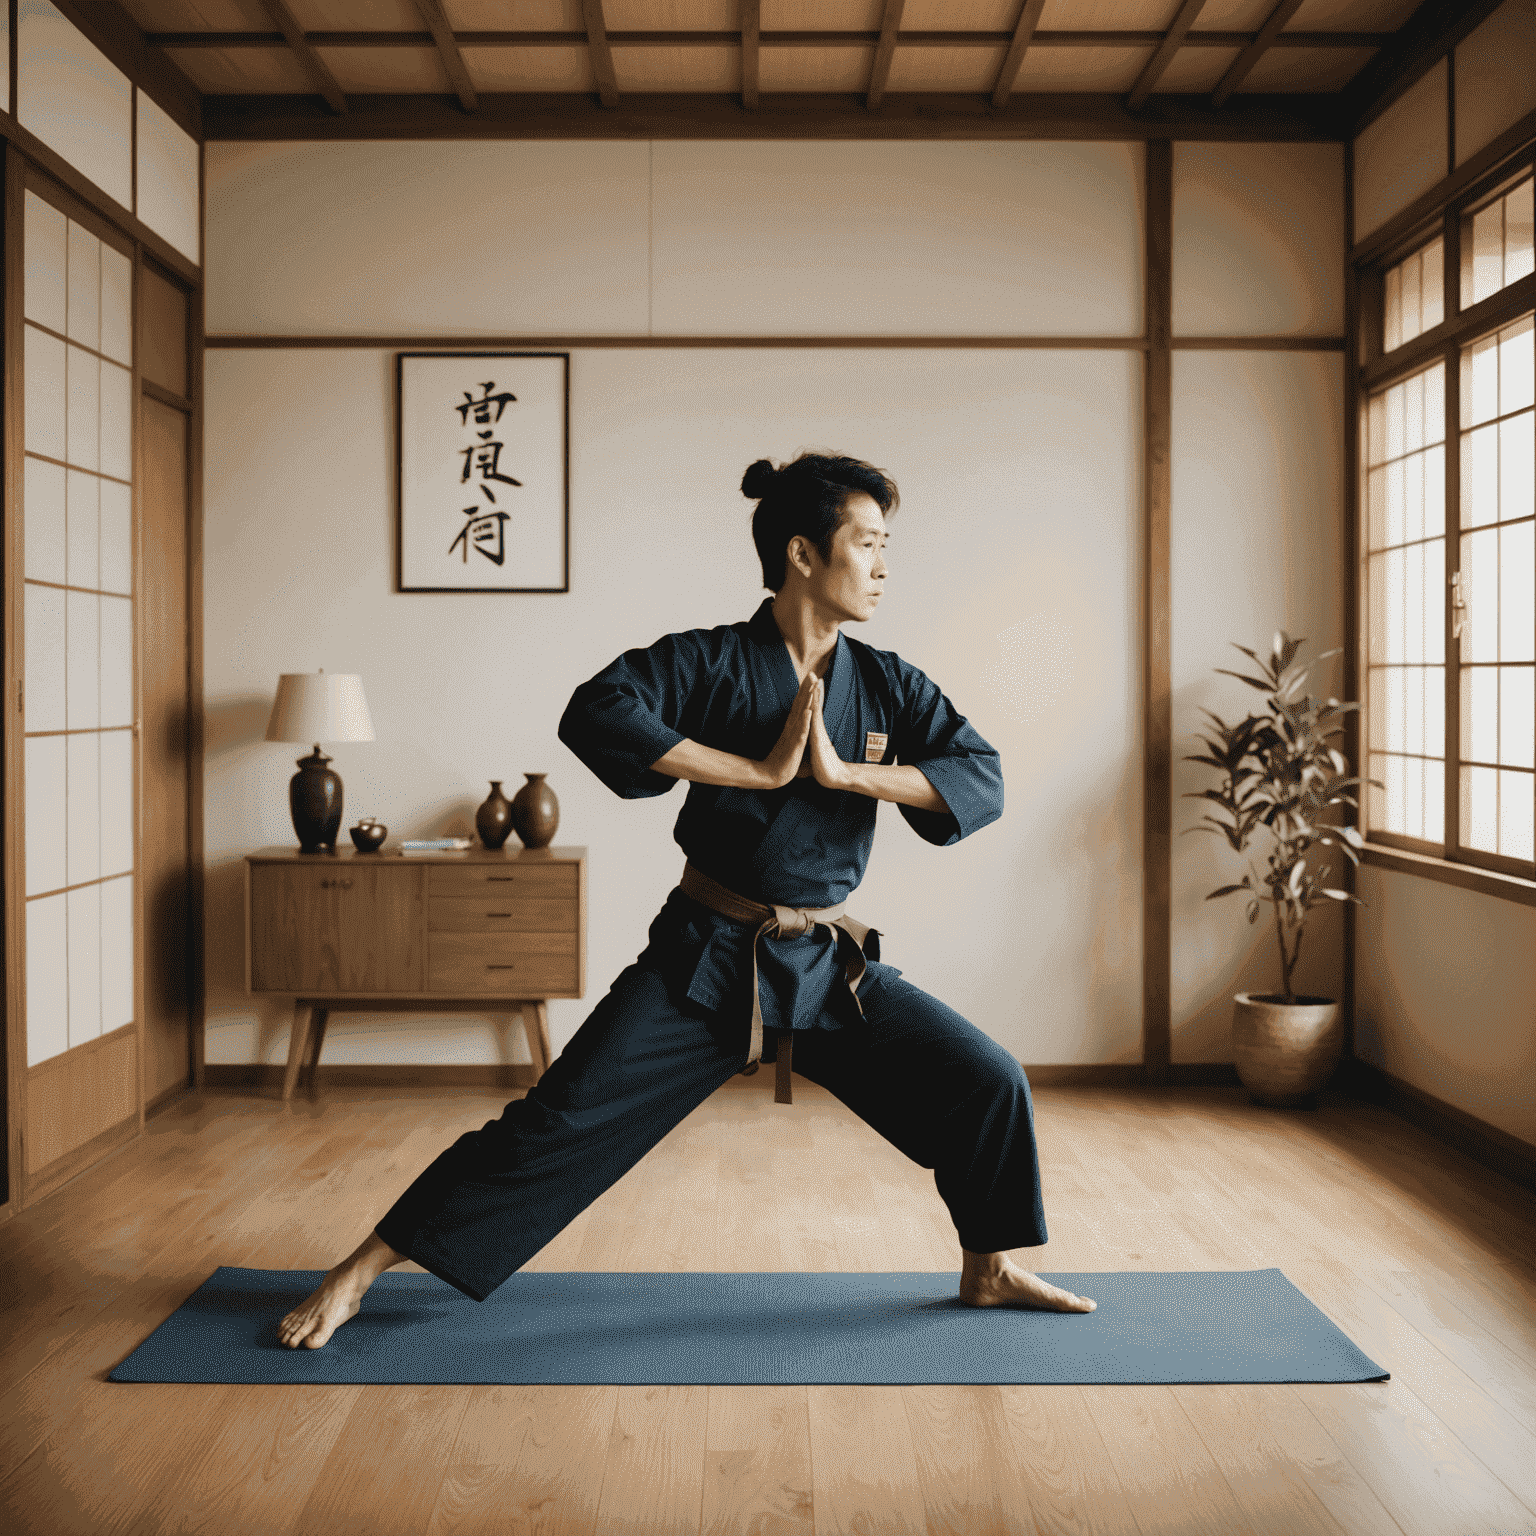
(952, 755)
(621, 721)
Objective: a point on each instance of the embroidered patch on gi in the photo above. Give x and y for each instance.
(874, 745)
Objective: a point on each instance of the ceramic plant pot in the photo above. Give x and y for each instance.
(1285, 1052)
(535, 812)
(493, 821)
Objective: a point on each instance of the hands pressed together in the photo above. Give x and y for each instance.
(804, 749)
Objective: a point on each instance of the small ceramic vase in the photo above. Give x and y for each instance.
(368, 835)
(535, 812)
(493, 821)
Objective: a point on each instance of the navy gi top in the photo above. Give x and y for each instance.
(803, 845)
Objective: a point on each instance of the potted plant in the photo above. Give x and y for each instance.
(1280, 772)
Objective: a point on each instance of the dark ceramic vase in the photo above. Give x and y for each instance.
(535, 812)
(493, 821)
(314, 798)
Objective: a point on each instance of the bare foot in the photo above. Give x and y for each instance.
(338, 1296)
(994, 1280)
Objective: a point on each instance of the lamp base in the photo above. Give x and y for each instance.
(314, 798)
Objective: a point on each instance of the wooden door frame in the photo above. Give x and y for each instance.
(17, 1190)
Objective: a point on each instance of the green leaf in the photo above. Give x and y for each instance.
(1227, 890)
(1264, 685)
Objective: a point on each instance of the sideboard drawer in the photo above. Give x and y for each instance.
(541, 880)
(494, 912)
(534, 964)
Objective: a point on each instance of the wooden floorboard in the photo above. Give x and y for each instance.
(1426, 1258)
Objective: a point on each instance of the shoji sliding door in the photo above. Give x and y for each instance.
(79, 767)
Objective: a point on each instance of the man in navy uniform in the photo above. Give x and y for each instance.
(789, 733)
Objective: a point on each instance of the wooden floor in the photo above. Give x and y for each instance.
(1427, 1260)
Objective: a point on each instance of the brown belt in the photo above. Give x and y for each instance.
(784, 922)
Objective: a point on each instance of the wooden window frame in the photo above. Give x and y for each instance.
(1376, 370)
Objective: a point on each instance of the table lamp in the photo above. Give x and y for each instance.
(318, 706)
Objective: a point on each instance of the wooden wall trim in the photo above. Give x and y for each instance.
(12, 436)
(230, 341)
(1156, 623)
(1354, 573)
(902, 115)
(1490, 882)
(1484, 1143)
(197, 1001)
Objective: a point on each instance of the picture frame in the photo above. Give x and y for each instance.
(482, 471)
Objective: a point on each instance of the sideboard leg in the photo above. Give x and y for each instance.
(317, 1036)
(298, 1041)
(541, 1020)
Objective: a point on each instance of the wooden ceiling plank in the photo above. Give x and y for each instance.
(885, 51)
(448, 50)
(293, 34)
(1162, 57)
(751, 34)
(1244, 62)
(1018, 46)
(600, 52)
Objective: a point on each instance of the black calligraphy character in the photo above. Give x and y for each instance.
(486, 458)
(482, 406)
(486, 531)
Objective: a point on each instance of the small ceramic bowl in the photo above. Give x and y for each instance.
(368, 836)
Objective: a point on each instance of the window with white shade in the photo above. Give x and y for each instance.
(77, 595)
(1413, 296)
(1497, 617)
(1405, 575)
(1448, 536)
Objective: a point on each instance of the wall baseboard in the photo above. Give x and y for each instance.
(1485, 1143)
(1105, 1074)
(270, 1075)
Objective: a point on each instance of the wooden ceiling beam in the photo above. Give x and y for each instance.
(1243, 64)
(1018, 46)
(658, 39)
(600, 52)
(1162, 57)
(885, 51)
(311, 62)
(718, 115)
(448, 50)
(751, 34)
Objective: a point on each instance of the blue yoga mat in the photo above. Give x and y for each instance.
(755, 1329)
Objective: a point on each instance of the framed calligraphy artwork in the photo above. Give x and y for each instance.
(484, 471)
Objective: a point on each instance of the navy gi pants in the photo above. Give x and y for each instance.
(927, 1080)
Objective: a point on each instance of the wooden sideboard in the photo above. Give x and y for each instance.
(478, 931)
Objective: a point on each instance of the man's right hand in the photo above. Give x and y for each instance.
(699, 764)
(788, 759)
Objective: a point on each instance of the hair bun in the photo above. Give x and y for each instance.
(758, 480)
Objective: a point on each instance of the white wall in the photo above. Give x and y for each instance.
(1014, 555)
(1446, 995)
(1403, 153)
(1257, 545)
(1495, 76)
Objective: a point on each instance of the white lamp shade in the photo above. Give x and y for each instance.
(320, 706)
